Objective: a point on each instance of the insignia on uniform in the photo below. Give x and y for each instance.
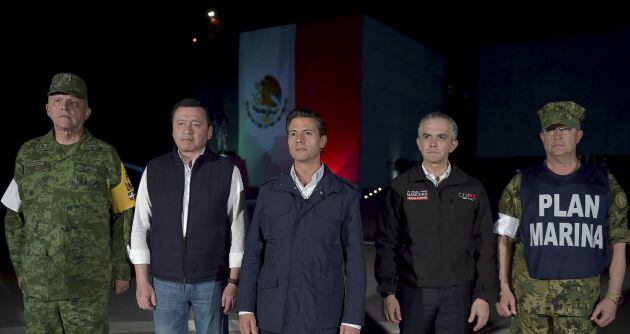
(123, 196)
(38, 165)
(90, 147)
(417, 195)
(621, 200)
(467, 196)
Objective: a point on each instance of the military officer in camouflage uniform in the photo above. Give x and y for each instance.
(567, 220)
(68, 207)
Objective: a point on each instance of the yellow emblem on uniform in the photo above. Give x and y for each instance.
(123, 196)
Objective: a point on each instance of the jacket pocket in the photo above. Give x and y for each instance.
(326, 224)
(276, 220)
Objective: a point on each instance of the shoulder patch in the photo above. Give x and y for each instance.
(123, 195)
(620, 200)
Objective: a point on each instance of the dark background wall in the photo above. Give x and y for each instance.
(515, 80)
(403, 80)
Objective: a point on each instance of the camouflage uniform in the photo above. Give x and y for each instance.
(563, 304)
(67, 235)
(568, 302)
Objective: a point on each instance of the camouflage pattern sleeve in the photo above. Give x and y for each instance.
(509, 210)
(120, 264)
(123, 202)
(617, 214)
(14, 229)
(510, 203)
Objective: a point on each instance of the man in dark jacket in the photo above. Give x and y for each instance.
(435, 249)
(305, 232)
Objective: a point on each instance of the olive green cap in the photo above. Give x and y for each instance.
(68, 83)
(566, 113)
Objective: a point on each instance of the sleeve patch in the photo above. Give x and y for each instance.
(123, 195)
(620, 200)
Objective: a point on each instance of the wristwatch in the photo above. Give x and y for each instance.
(233, 281)
(617, 298)
(386, 294)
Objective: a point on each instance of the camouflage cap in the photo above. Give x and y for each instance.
(68, 83)
(566, 113)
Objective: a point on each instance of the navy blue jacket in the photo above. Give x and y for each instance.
(301, 244)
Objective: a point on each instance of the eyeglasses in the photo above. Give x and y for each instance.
(563, 130)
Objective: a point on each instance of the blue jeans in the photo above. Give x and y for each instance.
(174, 300)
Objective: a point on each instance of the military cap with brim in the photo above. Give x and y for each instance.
(68, 83)
(566, 113)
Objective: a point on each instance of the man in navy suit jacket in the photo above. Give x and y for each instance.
(303, 270)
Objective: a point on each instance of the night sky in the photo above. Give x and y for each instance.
(138, 61)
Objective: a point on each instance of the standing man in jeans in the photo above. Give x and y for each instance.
(193, 202)
(435, 250)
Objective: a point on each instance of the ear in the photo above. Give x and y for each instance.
(454, 144)
(542, 138)
(88, 112)
(48, 109)
(322, 142)
(580, 133)
(418, 143)
(209, 132)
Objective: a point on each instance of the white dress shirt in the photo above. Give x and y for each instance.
(139, 250)
(433, 178)
(308, 189)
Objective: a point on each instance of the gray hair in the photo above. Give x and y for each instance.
(437, 114)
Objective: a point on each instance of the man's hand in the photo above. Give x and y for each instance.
(507, 303)
(349, 330)
(228, 300)
(247, 323)
(391, 310)
(145, 295)
(604, 313)
(20, 281)
(480, 310)
(120, 286)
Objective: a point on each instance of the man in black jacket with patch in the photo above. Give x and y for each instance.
(435, 249)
